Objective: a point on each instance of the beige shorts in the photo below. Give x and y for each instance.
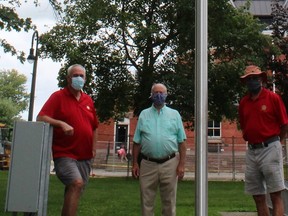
(264, 170)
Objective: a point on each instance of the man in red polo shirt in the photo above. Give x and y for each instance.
(263, 120)
(72, 114)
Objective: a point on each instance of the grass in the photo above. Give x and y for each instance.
(119, 196)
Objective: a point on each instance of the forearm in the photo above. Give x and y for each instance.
(95, 138)
(136, 152)
(51, 121)
(182, 153)
(283, 132)
(135, 166)
(67, 129)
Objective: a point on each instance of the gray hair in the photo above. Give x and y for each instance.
(70, 69)
(152, 88)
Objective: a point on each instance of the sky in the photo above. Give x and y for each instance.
(47, 70)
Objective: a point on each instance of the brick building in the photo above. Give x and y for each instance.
(224, 135)
(220, 135)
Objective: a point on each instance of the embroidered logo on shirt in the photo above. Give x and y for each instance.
(263, 108)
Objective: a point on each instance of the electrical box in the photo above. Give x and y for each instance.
(28, 181)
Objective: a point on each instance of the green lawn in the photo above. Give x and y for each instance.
(119, 196)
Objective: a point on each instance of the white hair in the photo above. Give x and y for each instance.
(156, 84)
(70, 69)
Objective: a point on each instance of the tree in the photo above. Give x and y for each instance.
(236, 39)
(279, 63)
(155, 41)
(9, 20)
(13, 97)
(109, 82)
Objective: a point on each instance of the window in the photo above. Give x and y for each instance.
(214, 129)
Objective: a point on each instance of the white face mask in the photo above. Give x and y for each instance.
(77, 83)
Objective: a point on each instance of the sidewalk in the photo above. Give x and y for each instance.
(238, 213)
(212, 176)
(188, 175)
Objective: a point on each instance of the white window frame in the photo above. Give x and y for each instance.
(214, 128)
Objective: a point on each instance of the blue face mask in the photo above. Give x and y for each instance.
(253, 86)
(77, 83)
(158, 98)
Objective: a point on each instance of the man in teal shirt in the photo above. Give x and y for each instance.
(159, 135)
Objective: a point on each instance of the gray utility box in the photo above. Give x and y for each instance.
(28, 181)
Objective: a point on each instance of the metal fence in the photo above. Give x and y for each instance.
(224, 161)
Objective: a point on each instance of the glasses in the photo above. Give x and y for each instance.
(78, 75)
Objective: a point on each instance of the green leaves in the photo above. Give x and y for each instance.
(10, 21)
(13, 96)
(155, 41)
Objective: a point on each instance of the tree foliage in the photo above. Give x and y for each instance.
(10, 21)
(13, 96)
(279, 63)
(154, 40)
(237, 40)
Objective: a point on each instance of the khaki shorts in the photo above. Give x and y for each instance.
(264, 170)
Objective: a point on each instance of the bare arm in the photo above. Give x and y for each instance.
(95, 138)
(68, 130)
(182, 158)
(135, 166)
(283, 132)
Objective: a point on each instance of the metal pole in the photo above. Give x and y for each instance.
(201, 86)
(32, 93)
(218, 157)
(233, 159)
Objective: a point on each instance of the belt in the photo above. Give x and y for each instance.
(263, 144)
(159, 161)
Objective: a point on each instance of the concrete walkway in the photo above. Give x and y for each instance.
(238, 213)
(212, 176)
(188, 175)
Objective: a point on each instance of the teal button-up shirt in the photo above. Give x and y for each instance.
(159, 133)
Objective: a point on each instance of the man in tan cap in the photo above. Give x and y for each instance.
(263, 120)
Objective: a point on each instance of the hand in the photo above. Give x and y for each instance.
(67, 129)
(180, 171)
(135, 170)
(94, 153)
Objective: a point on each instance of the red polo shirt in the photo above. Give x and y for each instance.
(81, 115)
(262, 118)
